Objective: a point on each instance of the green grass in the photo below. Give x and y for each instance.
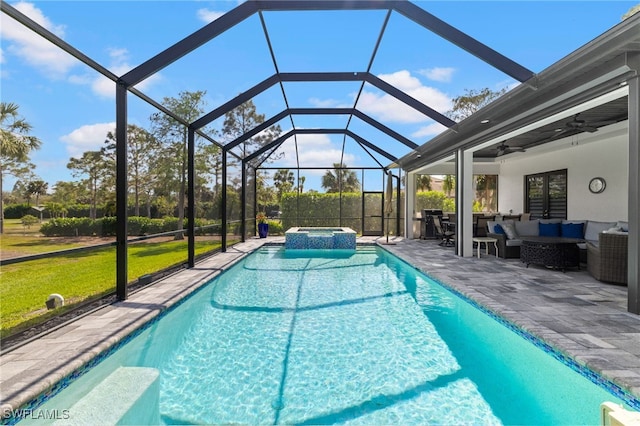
(24, 287)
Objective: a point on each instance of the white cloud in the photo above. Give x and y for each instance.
(89, 137)
(104, 87)
(328, 103)
(389, 109)
(206, 15)
(429, 130)
(313, 151)
(442, 74)
(32, 48)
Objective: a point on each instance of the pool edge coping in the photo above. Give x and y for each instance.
(105, 347)
(496, 310)
(33, 395)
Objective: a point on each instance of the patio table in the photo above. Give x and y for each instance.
(556, 252)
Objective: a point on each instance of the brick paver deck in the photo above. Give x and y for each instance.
(576, 314)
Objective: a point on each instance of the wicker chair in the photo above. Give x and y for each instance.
(608, 261)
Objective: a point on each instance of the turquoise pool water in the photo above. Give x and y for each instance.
(340, 337)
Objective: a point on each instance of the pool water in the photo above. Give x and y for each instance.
(341, 337)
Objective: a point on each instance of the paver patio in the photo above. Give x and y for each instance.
(576, 314)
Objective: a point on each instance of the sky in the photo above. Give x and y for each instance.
(72, 107)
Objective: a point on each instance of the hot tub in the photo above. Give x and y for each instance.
(320, 238)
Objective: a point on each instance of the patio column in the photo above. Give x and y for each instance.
(409, 204)
(464, 203)
(633, 272)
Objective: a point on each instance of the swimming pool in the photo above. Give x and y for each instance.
(339, 337)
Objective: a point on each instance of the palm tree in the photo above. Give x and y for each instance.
(38, 188)
(15, 144)
(283, 180)
(449, 184)
(343, 180)
(423, 182)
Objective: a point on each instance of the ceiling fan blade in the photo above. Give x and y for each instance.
(590, 129)
(517, 149)
(500, 152)
(602, 123)
(559, 134)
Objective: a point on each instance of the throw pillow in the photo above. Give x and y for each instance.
(549, 229)
(497, 229)
(624, 226)
(572, 230)
(510, 231)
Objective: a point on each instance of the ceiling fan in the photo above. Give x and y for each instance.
(577, 125)
(506, 149)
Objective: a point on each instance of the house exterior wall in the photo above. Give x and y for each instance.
(604, 153)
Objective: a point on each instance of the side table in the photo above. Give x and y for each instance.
(486, 241)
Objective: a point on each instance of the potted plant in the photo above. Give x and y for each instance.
(263, 226)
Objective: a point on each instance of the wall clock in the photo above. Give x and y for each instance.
(597, 185)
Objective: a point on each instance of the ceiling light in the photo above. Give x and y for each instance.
(485, 121)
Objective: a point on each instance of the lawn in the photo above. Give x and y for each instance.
(24, 287)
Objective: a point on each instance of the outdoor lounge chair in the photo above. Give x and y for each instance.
(607, 261)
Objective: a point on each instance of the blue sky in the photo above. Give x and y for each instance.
(71, 107)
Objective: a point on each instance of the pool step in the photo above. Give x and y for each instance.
(128, 396)
(617, 415)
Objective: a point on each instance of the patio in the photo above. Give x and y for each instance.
(574, 313)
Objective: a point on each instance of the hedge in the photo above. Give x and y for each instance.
(106, 226)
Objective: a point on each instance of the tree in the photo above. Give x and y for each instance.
(37, 187)
(173, 135)
(486, 186)
(15, 146)
(239, 121)
(266, 195)
(55, 209)
(208, 163)
(142, 148)
(634, 9)
(449, 184)
(99, 169)
(340, 179)
(472, 101)
(283, 180)
(301, 181)
(423, 182)
(67, 192)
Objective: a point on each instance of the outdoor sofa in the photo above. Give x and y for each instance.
(510, 232)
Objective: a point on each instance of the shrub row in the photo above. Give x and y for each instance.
(106, 226)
